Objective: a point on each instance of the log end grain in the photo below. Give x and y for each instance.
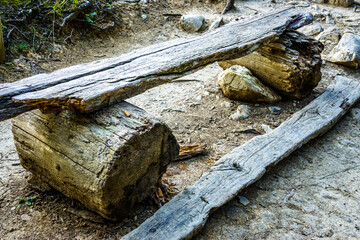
(107, 160)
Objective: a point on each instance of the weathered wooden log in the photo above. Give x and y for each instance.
(91, 86)
(291, 64)
(105, 159)
(187, 212)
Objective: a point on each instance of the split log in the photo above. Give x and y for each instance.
(291, 64)
(107, 160)
(186, 213)
(91, 86)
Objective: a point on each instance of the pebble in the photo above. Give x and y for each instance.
(192, 23)
(266, 128)
(198, 98)
(329, 20)
(212, 90)
(25, 217)
(228, 104)
(144, 17)
(275, 110)
(243, 200)
(315, 7)
(217, 23)
(161, 38)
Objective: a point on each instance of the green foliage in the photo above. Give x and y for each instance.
(89, 16)
(20, 47)
(58, 7)
(14, 3)
(26, 201)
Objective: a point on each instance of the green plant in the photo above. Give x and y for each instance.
(26, 201)
(89, 16)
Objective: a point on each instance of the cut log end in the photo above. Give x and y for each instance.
(107, 160)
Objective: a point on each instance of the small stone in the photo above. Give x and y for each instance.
(144, 17)
(238, 83)
(275, 110)
(212, 90)
(243, 200)
(315, 7)
(311, 30)
(25, 217)
(228, 104)
(329, 20)
(192, 23)
(162, 38)
(198, 98)
(330, 34)
(266, 128)
(238, 115)
(347, 51)
(216, 24)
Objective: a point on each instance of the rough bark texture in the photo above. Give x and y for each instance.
(186, 213)
(91, 86)
(105, 160)
(291, 65)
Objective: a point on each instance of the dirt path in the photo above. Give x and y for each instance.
(320, 180)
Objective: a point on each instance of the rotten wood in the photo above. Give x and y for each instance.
(186, 213)
(190, 151)
(291, 64)
(91, 86)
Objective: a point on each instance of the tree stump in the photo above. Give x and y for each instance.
(107, 160)
(291, 65)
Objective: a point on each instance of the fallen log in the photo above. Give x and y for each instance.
(291, 64)
(107, 160)
(91, 86)
(186, 213)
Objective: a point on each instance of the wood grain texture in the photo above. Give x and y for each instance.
(291, 64)
(90, 86)
(186, 213)
(105, 159)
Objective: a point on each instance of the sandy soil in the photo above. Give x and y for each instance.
(323, 175)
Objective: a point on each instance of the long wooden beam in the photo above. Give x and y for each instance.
(186, 213)
(88, 87)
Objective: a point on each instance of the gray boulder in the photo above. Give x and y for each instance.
(347, 51)
(192, 23)
(238, 83)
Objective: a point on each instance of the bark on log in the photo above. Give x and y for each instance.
(186, 213)
(105, 160)
(291, 64)
(91, 86)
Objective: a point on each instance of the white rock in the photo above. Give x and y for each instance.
(216, 24)
(332, 35)
(243, 200)
(228, 104)
(355, 113)
(311, 30)
(25, 217)
(192, 23)
(266, 128)
(347, 51)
